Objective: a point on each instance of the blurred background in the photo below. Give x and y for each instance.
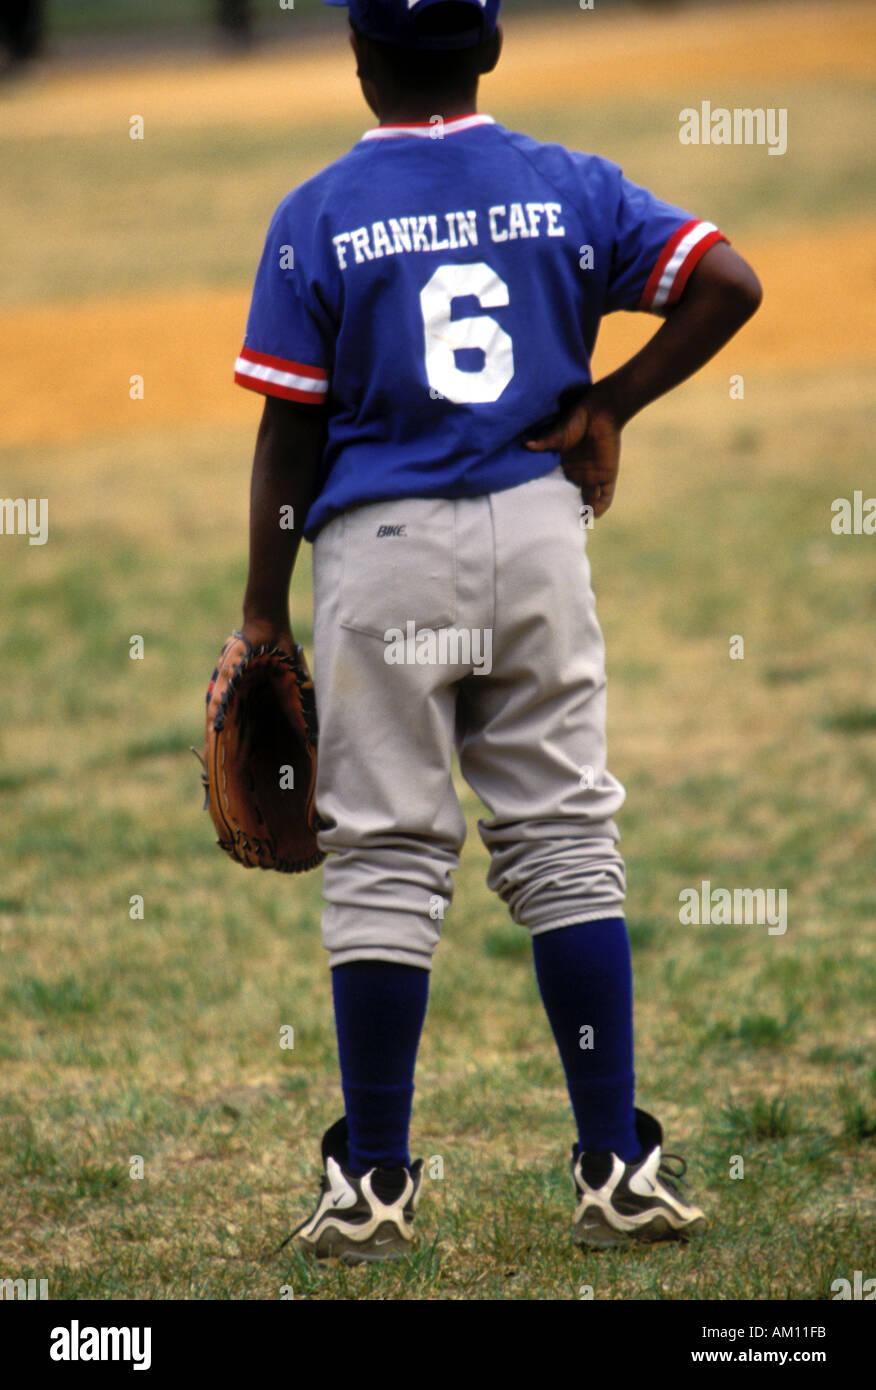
(143, 977)
(69, 27)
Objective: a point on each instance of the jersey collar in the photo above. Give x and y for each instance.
(428, 130)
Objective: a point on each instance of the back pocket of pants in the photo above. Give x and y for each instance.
(399, 566)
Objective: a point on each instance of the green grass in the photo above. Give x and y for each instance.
(761, 1120)
(217, 188)
(857, 720)
(828, 164)
(158, 1039)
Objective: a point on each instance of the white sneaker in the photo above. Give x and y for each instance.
(359, 1219)
(632, 1201)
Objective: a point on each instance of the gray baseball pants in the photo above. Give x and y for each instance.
(467, 622)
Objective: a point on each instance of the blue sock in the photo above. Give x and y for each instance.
(584, 976)
(379, 1013)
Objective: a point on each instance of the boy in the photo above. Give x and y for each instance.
(422, 325)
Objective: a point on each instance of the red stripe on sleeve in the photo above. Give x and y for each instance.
(286, 393)
(690, 261)
(663, 260)
(283, 364)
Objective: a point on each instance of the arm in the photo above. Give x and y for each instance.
(721, 295)
(284, 473)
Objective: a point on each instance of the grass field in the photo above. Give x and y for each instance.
(159, 1037)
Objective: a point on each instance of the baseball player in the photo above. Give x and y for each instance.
(422, 326)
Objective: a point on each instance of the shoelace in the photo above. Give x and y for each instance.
(672, 1177)
(324, 1186)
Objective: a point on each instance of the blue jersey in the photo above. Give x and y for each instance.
(439, 289)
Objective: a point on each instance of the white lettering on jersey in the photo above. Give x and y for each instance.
(436, 244)
(445, 336)
(401, 235)
(554, 210)
(517, 222)
(512, 222)
(496, 232)
(340, 248)
(382, 243)
(451, 231)
(360, 245)
(467, 227)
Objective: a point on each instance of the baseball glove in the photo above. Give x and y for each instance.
(259, 764)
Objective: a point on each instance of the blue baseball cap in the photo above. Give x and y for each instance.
(395, 22)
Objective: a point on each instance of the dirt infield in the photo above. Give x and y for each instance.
(184, 344)
(65, 367)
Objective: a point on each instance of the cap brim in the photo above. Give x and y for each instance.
(466, 38)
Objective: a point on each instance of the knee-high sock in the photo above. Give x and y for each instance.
(379, 1013)
(585, 979)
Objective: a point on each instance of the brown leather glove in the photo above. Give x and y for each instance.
(260, 757)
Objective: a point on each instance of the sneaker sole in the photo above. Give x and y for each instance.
(597, 1233)
(386, 1243)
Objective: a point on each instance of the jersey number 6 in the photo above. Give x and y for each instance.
(445, 336)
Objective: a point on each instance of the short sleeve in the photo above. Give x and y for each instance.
(285, 350)
(656, 246)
